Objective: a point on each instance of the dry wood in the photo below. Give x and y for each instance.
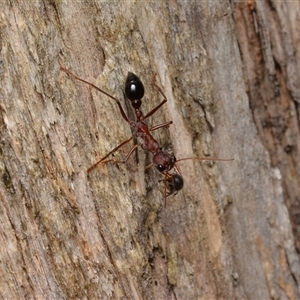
(230, 71)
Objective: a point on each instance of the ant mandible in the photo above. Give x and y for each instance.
(164, 162)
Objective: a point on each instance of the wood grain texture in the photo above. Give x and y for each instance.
(230, 71)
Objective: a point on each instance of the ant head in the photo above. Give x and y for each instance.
(175, 183)
(134, 88)
(163, 161)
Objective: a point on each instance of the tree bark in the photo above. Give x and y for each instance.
(230, 71)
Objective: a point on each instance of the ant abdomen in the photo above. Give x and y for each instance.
(134, 88)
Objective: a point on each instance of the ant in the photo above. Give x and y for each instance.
(164, 162)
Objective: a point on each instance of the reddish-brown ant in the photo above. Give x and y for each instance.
(164, 162)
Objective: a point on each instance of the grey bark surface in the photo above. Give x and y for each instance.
(230, 71)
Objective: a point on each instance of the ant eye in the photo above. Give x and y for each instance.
(160, 168)
(134, 88)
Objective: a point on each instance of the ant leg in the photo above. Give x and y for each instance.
(124, 160)
(111, 152)
(150, 113)
(103, 92)
(205, 159)
(149, 166)
(167, 176)
(167, 124)
(165, 192)
(157, 87)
